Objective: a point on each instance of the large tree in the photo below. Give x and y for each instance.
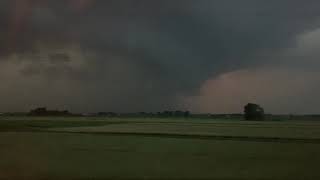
(253, 112)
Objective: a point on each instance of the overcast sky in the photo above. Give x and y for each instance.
(152, 55)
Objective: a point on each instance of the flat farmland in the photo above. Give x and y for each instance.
(276, 130)
(95, 148)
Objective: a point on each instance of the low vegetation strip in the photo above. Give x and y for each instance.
(201, 136)
(296, 132)
(203, 129)
(40, 125)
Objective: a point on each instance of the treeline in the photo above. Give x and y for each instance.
(251, 112)
(44, 112)
(164, 114)
(168, 114)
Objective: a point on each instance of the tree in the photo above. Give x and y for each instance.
(253, 112)
(186, 114)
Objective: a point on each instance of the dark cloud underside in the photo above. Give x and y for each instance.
(126, 55)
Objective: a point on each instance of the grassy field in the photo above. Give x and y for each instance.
(95, 148)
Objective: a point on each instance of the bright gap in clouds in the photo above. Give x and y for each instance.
(291, 86)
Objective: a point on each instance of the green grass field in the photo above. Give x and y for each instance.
(95, 148)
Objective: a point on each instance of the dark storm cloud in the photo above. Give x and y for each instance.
(148, 51)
